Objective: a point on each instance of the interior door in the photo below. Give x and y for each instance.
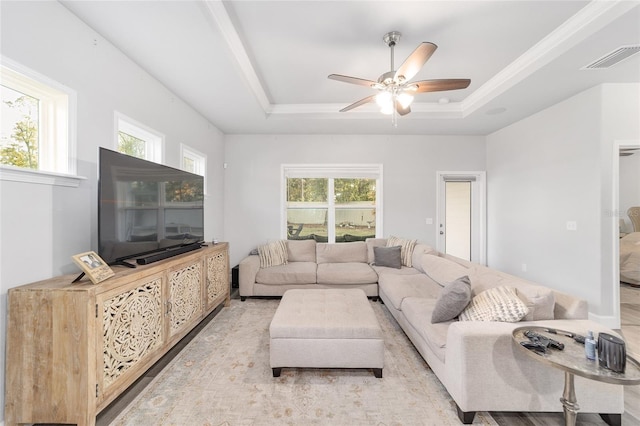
(461, 224)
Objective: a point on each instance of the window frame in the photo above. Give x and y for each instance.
(154, 140)
(57, 127)
(200, 162)
(331, 172)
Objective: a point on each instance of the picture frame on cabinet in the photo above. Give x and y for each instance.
(93, 266)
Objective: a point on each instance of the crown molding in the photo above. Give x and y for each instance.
(591, 18)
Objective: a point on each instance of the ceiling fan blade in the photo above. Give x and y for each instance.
(402, 111)
(441, 84)
(352, 80)
(358, 103)
(629, 149)
(415, 61)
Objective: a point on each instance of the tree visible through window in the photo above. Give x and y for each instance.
(19, 146)
(130, 145)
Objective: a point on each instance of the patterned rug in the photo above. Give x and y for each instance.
(222, 377)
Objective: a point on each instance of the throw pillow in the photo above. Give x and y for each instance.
(388, 256)
(539, 300)
(407, 247)
(453, 298)
(495, 304)
(273, 254)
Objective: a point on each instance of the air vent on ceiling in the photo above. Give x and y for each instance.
(612, 58)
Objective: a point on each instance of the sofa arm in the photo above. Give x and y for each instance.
(249, 267)
(485, 371)
(569, 307)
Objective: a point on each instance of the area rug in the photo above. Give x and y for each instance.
(222, 377)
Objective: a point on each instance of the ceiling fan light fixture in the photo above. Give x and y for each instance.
(405, 99)
(384, 99)
(387, 109)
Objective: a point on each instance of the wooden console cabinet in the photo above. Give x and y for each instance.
(73, 348)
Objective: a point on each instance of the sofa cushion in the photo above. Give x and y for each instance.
(301, 250)
(342, 252)
(380, 270)
(371, 243)
(418, 311)
(453, 298)
(442, 270)
(397, 287)
(273, 254)
(407, 247)
(346, 273)
(418, 251)
(495, 304)
(388, 256)
(539, 300)
(291, 273)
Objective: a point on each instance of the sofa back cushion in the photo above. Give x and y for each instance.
(301, 250)
(342, 252)
(442, 270)
(419, 251)
(371, 243)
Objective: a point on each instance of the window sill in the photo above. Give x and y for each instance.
(16, 174)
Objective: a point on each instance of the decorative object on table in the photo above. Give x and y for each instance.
(612, 353)
(590, 346)
(539, 343)
(93, 266)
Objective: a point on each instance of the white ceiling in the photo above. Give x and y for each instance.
(262, 66)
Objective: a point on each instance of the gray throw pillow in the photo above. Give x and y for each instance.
(388, 256)
(453, 298)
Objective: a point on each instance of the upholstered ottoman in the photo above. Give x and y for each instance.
(326, 328)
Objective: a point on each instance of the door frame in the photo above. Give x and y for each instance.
(478, 211)
(615, 224)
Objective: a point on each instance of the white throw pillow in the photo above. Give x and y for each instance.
(273, 254)
(406, 250)
(495, 304)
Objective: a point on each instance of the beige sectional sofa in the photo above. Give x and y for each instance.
(476, 361)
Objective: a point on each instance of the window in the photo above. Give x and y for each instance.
(194, 162)
(138, 140)
(37, 133)
(332, 203)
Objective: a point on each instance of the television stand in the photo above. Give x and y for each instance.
(167, 253)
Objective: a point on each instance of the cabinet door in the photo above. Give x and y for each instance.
(185, 296)
(217, 282)
(132, 318)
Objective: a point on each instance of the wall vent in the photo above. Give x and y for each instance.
(612, 58)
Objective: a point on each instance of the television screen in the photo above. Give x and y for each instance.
(145, 207)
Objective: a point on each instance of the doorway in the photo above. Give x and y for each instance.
(461, 223)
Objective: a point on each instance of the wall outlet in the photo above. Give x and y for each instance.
(429, 221)
(572, 225)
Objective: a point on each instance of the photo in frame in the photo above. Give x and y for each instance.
(93, 266)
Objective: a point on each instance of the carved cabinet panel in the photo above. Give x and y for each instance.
(132, 322)
(217, 278)
(185, 296)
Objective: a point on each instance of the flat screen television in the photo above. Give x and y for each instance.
(145, 207)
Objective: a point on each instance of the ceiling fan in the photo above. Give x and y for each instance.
(394, 90)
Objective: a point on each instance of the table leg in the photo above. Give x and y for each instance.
(569, 401)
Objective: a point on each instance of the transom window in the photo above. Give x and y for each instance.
(332, 203)
(194, 162)
(37, 116)
(138, 140)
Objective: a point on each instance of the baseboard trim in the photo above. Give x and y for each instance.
(608, 321)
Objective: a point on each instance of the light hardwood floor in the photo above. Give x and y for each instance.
(630, 323)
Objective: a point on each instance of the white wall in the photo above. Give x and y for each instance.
(555, 167)
(253, 177)
(629, 187)
(41, 226)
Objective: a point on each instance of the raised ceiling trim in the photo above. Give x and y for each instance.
(577, 28)
(591, 18)
(220, 16)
